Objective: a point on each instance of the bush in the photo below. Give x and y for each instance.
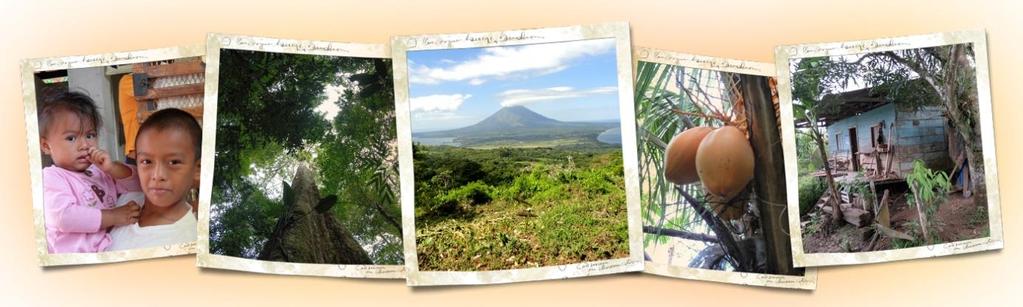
(597, 182)
(474, 193)
(929, 189)
(810, 190)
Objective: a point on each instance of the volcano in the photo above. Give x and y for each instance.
(519, 125)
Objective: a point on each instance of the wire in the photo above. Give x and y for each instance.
(781, 215)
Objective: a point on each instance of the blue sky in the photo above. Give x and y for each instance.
(567, 81)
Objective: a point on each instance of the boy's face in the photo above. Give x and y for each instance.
(167, 165)
(67, 141)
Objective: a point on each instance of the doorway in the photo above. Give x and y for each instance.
(854, 150)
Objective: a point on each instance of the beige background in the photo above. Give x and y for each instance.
(747, 31)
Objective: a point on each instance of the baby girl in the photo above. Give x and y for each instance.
(82, 185)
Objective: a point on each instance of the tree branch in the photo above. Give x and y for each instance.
(685, 120)
(919, 70)
(706, 103)
(654, 139)
(735, 255)
(387, 217)
(680, 234)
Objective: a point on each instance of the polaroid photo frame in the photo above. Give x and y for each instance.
(679, 233)
(504, 45)
(321, 213)
(97, 72)
(887, 122)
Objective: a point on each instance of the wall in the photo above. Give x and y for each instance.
(921, 135)
(94, 82)
(840, 146)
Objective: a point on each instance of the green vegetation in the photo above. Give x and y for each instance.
(810, 190)
(942, 76)
(808, 157)
(575, 139)
(979, 218)
(517, 208)
(816, 225)
(269, 121)
(930, 189)
(912, 230)
(658, 122)
(860, 186)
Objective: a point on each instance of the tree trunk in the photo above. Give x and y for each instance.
(305, 235)
(961, 104)
(836, 213)
(769, 180)
(963, 112)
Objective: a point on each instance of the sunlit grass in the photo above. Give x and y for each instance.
(549, 214)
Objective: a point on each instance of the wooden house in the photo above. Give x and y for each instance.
(873, 135)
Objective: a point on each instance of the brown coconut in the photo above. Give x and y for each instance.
(724, 162)
(680, 157)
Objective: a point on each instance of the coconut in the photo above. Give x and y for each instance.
(724, 162)
(680, 157)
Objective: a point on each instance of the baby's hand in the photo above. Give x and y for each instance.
(100, 158)
(123, 215)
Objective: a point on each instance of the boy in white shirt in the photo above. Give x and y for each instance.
(167, 149)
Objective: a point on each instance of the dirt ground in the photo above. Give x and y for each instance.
(959, 218)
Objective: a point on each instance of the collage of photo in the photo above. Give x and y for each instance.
(512, 156)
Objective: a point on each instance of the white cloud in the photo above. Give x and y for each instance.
(503, 62)
(518, 97)
(432, 103)
(437, 116)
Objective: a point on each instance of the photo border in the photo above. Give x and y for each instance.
(618, 31)
(809, 279)
(29, 68)
(214, 43)
(783, 55)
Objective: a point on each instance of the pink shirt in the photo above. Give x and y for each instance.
(72, 202)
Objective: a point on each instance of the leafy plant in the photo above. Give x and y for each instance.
(808, 158)
(815, 226)
(269, 120)
(474, 193)
(861, 187)
(810, 190)
(522, 208)
(670, 99)
(929, 189)
(900, 243)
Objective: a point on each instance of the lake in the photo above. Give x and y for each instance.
(611, 136)
(435, 141)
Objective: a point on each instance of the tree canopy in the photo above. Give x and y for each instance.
(268, 122)
(913, 78)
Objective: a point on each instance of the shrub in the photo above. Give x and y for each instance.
(597, 182)
(929, 189)
(474, 193)
(810, 190)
